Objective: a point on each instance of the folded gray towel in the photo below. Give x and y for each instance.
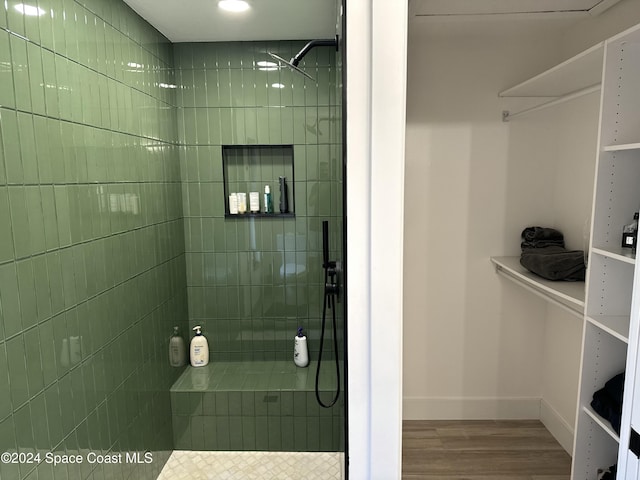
(541, 237)
(554, 263)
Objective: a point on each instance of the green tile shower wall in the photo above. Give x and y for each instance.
(248, 309)
(91, 237)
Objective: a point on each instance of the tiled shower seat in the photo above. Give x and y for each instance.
(266, 405)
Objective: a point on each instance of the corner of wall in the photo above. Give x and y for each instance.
(597, 28)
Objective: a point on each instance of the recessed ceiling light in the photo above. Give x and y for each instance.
(277, 85)
(30, 10)
(233, 5)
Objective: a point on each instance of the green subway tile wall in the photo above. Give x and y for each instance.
(252, 281)
(92, 270)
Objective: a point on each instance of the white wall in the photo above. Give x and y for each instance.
(595, 29)
(563, 138)
(473, 344)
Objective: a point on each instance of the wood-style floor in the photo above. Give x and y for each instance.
(481, 450)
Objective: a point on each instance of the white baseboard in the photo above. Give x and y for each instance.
(471, 408)
(558, 426)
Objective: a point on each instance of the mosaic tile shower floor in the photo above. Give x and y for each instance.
(195, 465)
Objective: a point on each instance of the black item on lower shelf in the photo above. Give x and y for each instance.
(609, 473)
(607, 402)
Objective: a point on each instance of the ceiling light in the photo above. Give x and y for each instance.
(167, 85)
(233, 5)
(277, 85)
(30, 10)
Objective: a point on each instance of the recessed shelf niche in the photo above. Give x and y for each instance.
(248, 168)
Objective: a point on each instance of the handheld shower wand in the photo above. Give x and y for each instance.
(330, 292)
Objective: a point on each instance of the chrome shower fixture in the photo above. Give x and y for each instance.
(295, 60)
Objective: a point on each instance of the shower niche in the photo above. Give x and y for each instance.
(250, 168)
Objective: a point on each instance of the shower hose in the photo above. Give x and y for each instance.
(329, 302)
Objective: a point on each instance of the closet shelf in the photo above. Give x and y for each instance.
(619, 148)
(567, 295)
(606, 426)
(580, 75)
(617, 253)
(615, 325)
(507, 115)
(577, 73)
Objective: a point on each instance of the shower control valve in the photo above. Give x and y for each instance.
(330, 289)
(331, 272)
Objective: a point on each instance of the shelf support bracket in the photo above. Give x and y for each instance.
(505, 115)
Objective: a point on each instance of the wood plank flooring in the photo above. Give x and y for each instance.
(481, 450)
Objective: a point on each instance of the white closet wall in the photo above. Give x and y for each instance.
(592, 30)
(561, 140)
(474, 346)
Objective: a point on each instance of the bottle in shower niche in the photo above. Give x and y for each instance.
(233, 204)
(284, 195)
(199, 351)
(300, 351)
(254, 202)
(630, 234)
(177, 349)
(268, 202)
(242, 202)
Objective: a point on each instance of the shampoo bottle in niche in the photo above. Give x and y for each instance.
(268, 203)
(177, 349)
(199, 352)
(284, 195)
(300, 352)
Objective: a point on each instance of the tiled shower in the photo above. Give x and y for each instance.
(112, 231)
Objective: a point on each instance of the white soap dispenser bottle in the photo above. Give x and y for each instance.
(199, 351)
(300, 351)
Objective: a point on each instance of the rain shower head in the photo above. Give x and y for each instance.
(293, 63)
(290, 65)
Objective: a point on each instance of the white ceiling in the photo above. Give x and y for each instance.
(443, 8)
(203, 21)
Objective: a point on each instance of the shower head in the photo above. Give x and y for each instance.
(293, 63)
(290, 65)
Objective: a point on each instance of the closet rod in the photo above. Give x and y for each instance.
(506, 115)
(537, 292)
